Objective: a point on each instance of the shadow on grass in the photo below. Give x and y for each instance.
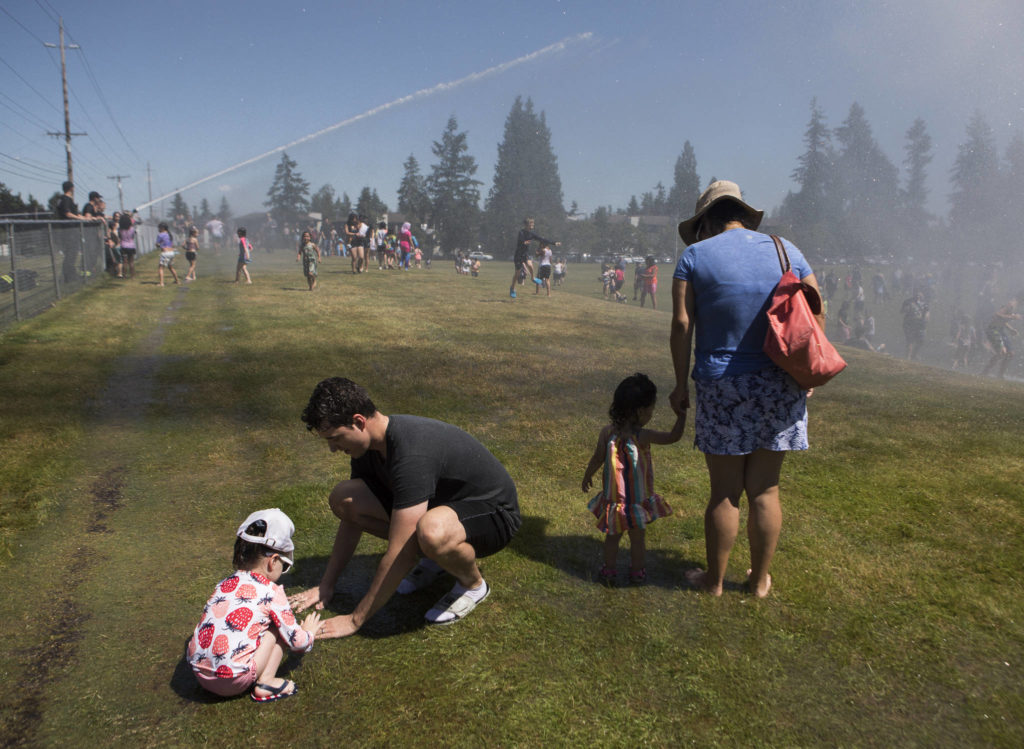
(400, 615)
(581, 556)
(186, 686)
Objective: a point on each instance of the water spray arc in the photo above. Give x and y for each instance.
(421, 94)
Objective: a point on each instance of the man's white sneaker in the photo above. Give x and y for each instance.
(457, 604)
(422, 575)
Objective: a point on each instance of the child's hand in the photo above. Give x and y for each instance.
(312, 622)
(588, 481)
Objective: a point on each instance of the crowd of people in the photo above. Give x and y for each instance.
(983, 342)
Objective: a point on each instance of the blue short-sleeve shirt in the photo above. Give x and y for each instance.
(733, 275)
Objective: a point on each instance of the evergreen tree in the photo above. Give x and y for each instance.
(323, 202)
(1014, 182)
(413, 199)
(11, 202)
(224, 211)
(867, 187)
(919, 154)
(454, 193)
(179, 207)
(682, 197)
(288, 196)
(633, 209)
(815, 173)
(343, 207)
(370, 205)
(526, 181)
(204, 214)
(660, 200)
(975, 201)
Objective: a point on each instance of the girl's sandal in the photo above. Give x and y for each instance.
(607, 575)
(638, 577)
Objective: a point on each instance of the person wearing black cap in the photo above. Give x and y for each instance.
(95, 208)
(749, 412)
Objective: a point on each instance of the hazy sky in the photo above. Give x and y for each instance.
(198, 86)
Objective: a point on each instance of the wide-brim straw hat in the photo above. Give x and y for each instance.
(723, 189)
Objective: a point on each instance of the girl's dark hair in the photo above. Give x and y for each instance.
(335, 401)
(246, 552)
(241, 231)
(125, 222)
(633, 393)
(162, 226)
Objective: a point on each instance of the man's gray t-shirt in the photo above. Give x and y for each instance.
(437, 463)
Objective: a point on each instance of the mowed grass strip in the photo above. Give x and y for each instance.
(895, 613)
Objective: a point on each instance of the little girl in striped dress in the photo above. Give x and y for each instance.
(627, 501)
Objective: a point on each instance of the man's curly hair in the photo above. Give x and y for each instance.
(334, 402)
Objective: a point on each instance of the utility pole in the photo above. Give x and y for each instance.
(64, 82)
(149, 183)
(120, 192)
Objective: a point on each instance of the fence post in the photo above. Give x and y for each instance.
(14, 276)
(81, 244)
(53, 261)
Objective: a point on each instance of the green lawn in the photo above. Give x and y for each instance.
(141, 424)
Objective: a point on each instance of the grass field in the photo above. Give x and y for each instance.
(141, 424)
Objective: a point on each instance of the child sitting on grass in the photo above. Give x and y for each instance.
(627, 501)
(239, 642)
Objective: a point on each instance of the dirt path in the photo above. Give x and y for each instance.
(123, 400)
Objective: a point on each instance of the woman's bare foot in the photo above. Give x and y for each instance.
(762, 591)
(698, 578)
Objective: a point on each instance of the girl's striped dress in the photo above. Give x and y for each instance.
(628, 499)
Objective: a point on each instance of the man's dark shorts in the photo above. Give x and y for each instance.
(489, 526)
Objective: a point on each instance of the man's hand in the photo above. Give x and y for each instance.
(313, 597)
(337, 626)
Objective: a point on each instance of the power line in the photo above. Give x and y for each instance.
(103, 101)
(43, 170)
(27, 30)
(34, 89)
(24, 114)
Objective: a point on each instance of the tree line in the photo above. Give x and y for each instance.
(850, 200)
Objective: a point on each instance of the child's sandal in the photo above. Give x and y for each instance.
(607, 575)
(638, 577)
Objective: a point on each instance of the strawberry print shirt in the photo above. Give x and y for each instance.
(241, 609)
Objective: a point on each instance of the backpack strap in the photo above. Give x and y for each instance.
(781, 252)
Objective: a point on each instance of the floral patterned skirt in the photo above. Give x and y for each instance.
(764, 410)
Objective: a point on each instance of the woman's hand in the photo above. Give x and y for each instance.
(337, 626)
(679, 399)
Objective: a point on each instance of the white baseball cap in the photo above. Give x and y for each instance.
(278, 535)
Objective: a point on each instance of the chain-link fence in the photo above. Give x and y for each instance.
(43, 261)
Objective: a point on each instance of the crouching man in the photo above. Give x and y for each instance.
(439, 498)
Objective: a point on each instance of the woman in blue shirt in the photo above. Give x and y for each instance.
(749, 412)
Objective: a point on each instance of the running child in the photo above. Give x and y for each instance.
(165, 243)
(240, 640)
(309, 254)
(544, 269)
(244, 256)
(627, 501)
(191, 250)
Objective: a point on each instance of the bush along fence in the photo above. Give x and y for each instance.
(44, 261)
